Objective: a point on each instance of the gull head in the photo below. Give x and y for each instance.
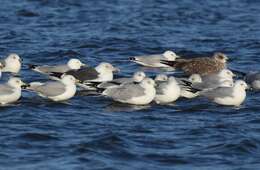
(13, 58)
(106, 67)
(221, 57)
(170, 55)
(15, 82)
(241, 84)
(226, 73)
(12, 63)
(75, 64)
(68, 79)
(139, 76)
(161, 77)
(195, 78)
(148, 82)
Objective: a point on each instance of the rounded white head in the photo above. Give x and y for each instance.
(12, 63)
(227, 74)
(68, 79)
(195, 78)
(75, 64)
(148, 82)
(106, 67)
(161, 77)
(15, 82)
(139, 76)
(241, 84)
(170, 55)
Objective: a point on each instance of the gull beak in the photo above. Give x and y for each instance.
(78, 81)
(82, 64)
(177, 56)
(1, 66)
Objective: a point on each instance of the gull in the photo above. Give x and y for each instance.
(133, 93)
(202, 65)
(61, 90)
(11, 91)
(72, 64)
(154, 60)
(185, 91)
(102, 72)
(12, 63)
(137, 77)
(167, 91)
(210, 81)
(230, 96)
(253, 79)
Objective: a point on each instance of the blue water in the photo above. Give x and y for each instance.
(92, 132)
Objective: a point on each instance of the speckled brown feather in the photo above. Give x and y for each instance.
(202, 66)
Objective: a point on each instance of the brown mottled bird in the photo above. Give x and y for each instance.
(201, 65)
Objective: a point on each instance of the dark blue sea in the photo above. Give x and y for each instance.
(93, 132)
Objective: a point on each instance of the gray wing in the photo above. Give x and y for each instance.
(84, 74)
(49, 69)
(251, 77)
(122, 80)
(125, 92)
(219, 92)
(150, 59)
(51, 89)
(5, 89)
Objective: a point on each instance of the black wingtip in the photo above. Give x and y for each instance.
(186, 83)
(32, 66)
(166, 62)
(100, 90)
(56, 74)
(132, 58)
(25, 86)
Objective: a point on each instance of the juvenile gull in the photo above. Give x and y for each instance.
(61, 90)
(137, 77)
(10, 91)
(154, 60)
(72, 64)
(201, 65)
(253, 79)
(12, 63)
(167, 91)
(133, 93)
(230, 96)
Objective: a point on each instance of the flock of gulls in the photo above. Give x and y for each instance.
(204, 76)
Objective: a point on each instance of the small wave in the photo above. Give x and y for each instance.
(38, 137)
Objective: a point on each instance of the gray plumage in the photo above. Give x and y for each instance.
(5, 89)
(49, 89)
(125, 92)
(219, 92)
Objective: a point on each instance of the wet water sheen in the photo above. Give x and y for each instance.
(92, 132)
